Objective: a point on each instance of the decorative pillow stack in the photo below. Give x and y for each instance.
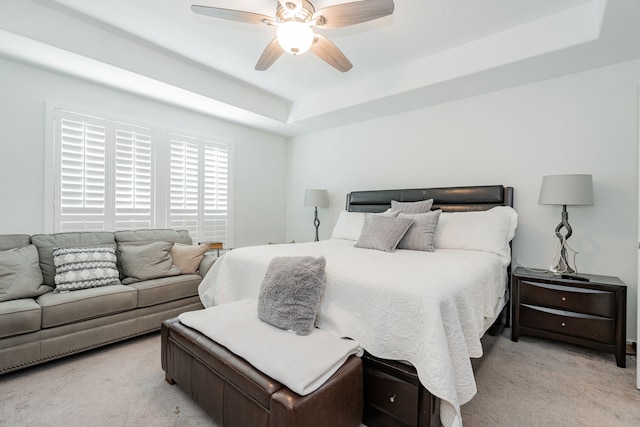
(406, 225)
(489, 231)
(84, 268)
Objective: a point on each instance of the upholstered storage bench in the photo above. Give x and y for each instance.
(235, 394)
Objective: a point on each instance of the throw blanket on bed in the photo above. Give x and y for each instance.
(427, 308)
(302, 363)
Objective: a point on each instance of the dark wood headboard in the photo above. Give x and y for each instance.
(449, 199)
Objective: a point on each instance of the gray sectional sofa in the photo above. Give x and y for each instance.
(39, 322)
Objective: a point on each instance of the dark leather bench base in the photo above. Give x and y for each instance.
(235, 394)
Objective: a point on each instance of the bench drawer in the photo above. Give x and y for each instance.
(396, 399)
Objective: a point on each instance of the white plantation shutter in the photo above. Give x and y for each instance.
(184, 186)
(199, 188)
(133, 178)
(81, 174)
(111, 175)
(216, 193)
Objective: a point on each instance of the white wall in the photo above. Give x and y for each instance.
(581, 123)
(260, 157)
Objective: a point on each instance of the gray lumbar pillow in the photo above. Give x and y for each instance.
(382, 233)
(291, 292)
(20, 275)
(422, 234)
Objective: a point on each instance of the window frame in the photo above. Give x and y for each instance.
(160, 159)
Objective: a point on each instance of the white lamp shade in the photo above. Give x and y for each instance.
(566, 190)
(317, 198)
(294, 37)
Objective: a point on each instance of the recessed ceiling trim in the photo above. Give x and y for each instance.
(562, 30)
(36, 53)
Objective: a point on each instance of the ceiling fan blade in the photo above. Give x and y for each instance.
(270, 54)
(342, 15)
(329, 52)
(233, 15)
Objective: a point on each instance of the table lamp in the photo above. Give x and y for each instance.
(574, 190)
(316, 198)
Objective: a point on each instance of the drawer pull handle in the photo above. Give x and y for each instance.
(564, 298)
(392, 398)
(563, 324)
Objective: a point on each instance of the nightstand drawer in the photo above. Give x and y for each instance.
(396, 399)
(593, 328)
(587, 301)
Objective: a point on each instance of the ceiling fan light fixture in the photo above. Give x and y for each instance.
(294, 37)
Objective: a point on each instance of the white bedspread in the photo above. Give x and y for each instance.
(427, 308)
(302, 363)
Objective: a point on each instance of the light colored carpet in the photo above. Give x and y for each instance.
(537, 382)
(530, 383)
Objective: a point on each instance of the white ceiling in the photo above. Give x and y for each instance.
(427, 52)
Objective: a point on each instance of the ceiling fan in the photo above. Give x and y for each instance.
(294, 20)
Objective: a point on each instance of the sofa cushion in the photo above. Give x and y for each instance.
(165, 289)
(19, 316)
(20, 275)
(69, 307)
(146, 260)
(12, 241)
(46, 243)
(167, 235)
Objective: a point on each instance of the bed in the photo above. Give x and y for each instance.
(419, 315)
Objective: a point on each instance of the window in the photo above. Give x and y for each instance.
(111, 175)
(199, 187)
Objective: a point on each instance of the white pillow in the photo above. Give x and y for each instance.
(489, 231)
(348, 226)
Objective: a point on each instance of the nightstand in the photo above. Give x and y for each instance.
(591, 314)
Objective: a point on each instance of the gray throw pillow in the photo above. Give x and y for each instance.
(146, 260)
(421, 236)
(84, 268)
(421, 206)
(20, 275)
(47, 243)
(382, 233)
(187, 258)
(291, 292)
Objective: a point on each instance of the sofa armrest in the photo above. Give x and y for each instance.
(206, 263)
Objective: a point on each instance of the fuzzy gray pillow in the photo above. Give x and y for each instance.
(291, 291)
